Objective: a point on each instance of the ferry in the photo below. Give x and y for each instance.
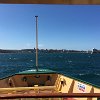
(45, 84)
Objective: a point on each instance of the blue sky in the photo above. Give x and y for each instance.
(59, 26)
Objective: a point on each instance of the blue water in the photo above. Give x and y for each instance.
(83, 66)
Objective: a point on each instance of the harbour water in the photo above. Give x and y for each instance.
(83, 66)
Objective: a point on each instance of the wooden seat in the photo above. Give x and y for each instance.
(17, 89)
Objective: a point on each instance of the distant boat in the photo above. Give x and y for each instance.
(45, 83)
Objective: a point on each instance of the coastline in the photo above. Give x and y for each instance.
(48, 51)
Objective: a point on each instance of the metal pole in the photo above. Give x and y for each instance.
(36, 43)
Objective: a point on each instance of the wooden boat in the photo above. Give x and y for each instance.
(45, 84)
(32, 83)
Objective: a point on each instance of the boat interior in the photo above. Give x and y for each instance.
(44, 82)
(28, 81)
(25, 83)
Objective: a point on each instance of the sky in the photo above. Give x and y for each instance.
(71, 27)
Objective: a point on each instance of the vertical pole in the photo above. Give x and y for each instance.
(36, 43)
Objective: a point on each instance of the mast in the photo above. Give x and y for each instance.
(36, 43)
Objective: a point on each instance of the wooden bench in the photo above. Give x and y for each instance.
(35, 89)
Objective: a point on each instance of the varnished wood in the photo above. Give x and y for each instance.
(80, 2)
(26, 88)
(71, 87)
(48, 95)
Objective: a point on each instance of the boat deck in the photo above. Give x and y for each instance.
(45, 86)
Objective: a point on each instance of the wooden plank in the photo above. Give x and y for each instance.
(71, 87)
(27, 88)
(80, 2)
(49, 95)
(23, 89)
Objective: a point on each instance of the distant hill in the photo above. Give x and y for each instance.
(41, 50)
(17, 51)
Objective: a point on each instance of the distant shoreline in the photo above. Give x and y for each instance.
(48, 51)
